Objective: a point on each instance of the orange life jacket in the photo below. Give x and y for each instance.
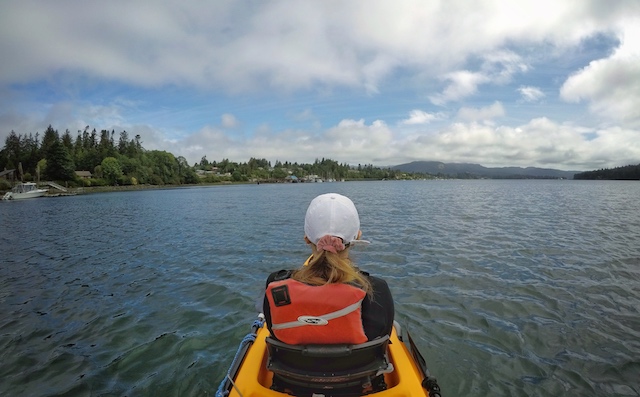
(326, 314)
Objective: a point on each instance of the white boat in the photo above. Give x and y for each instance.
(24, 190)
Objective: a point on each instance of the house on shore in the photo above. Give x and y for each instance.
(83, 174)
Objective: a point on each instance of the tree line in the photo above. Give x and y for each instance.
(123, 160)
(627, 172)
(263, 170)
(57, 157)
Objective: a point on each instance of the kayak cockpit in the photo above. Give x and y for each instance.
(352, 369)
(265, 367)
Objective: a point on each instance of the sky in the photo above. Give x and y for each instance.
(542, 83)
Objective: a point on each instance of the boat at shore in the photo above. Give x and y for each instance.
(24, 190)
(386, 367)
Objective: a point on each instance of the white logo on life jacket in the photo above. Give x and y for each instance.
(310, 320)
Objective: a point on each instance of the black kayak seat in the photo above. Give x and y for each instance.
(310, 368)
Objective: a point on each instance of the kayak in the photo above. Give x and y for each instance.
(255, 372)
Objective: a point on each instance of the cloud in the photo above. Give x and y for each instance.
(479, 114)
(541, 142)
(229, 121)
(496, 68)
(501, 66)
(326, 67)
(531, 94)
(420, 117)
(461, 84)
(357, 140)
(611, 85)
(350, 141)
(244, 46)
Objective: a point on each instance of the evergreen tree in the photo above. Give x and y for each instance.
(123, 142)
(30, 154)
(105, 147)
(12, 150)
(60, 166)
(49, 138)
(67, 141)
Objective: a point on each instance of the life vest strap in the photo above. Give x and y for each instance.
(326, 317)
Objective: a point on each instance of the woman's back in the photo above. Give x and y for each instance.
(328, 300)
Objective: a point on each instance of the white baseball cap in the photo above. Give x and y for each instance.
(332, 214)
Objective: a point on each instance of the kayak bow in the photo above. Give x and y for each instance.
(248, 375)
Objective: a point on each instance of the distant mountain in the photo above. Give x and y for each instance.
(465, 170)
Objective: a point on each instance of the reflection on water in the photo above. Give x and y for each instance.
(519, 288)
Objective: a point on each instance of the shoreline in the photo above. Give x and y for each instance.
(124, 188)
(73, 191)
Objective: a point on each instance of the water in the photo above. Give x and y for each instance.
(510, 288)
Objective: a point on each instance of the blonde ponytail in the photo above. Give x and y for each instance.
(328, 268)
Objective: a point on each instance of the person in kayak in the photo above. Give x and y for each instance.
(328, 300)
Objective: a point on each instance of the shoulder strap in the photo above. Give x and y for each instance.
(279, 276)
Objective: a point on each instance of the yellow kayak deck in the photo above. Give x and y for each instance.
(254, 380)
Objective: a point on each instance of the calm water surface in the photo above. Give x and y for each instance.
(510, 288)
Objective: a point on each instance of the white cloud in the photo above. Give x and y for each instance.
(229, 121)
(611, 85)
(461, 84)
(355, 140)
(54, 53)
(350, 141)
(501, 66)
(420, 117)
(531, 94)
(496, 68)
(243, 46)
(541, 143)
(480, 114)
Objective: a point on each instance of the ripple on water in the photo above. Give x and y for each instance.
(519, 288)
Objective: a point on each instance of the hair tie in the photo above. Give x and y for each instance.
(330, 244)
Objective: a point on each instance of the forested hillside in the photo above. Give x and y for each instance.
(123, 160)
(628, 172)
(111, 160)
